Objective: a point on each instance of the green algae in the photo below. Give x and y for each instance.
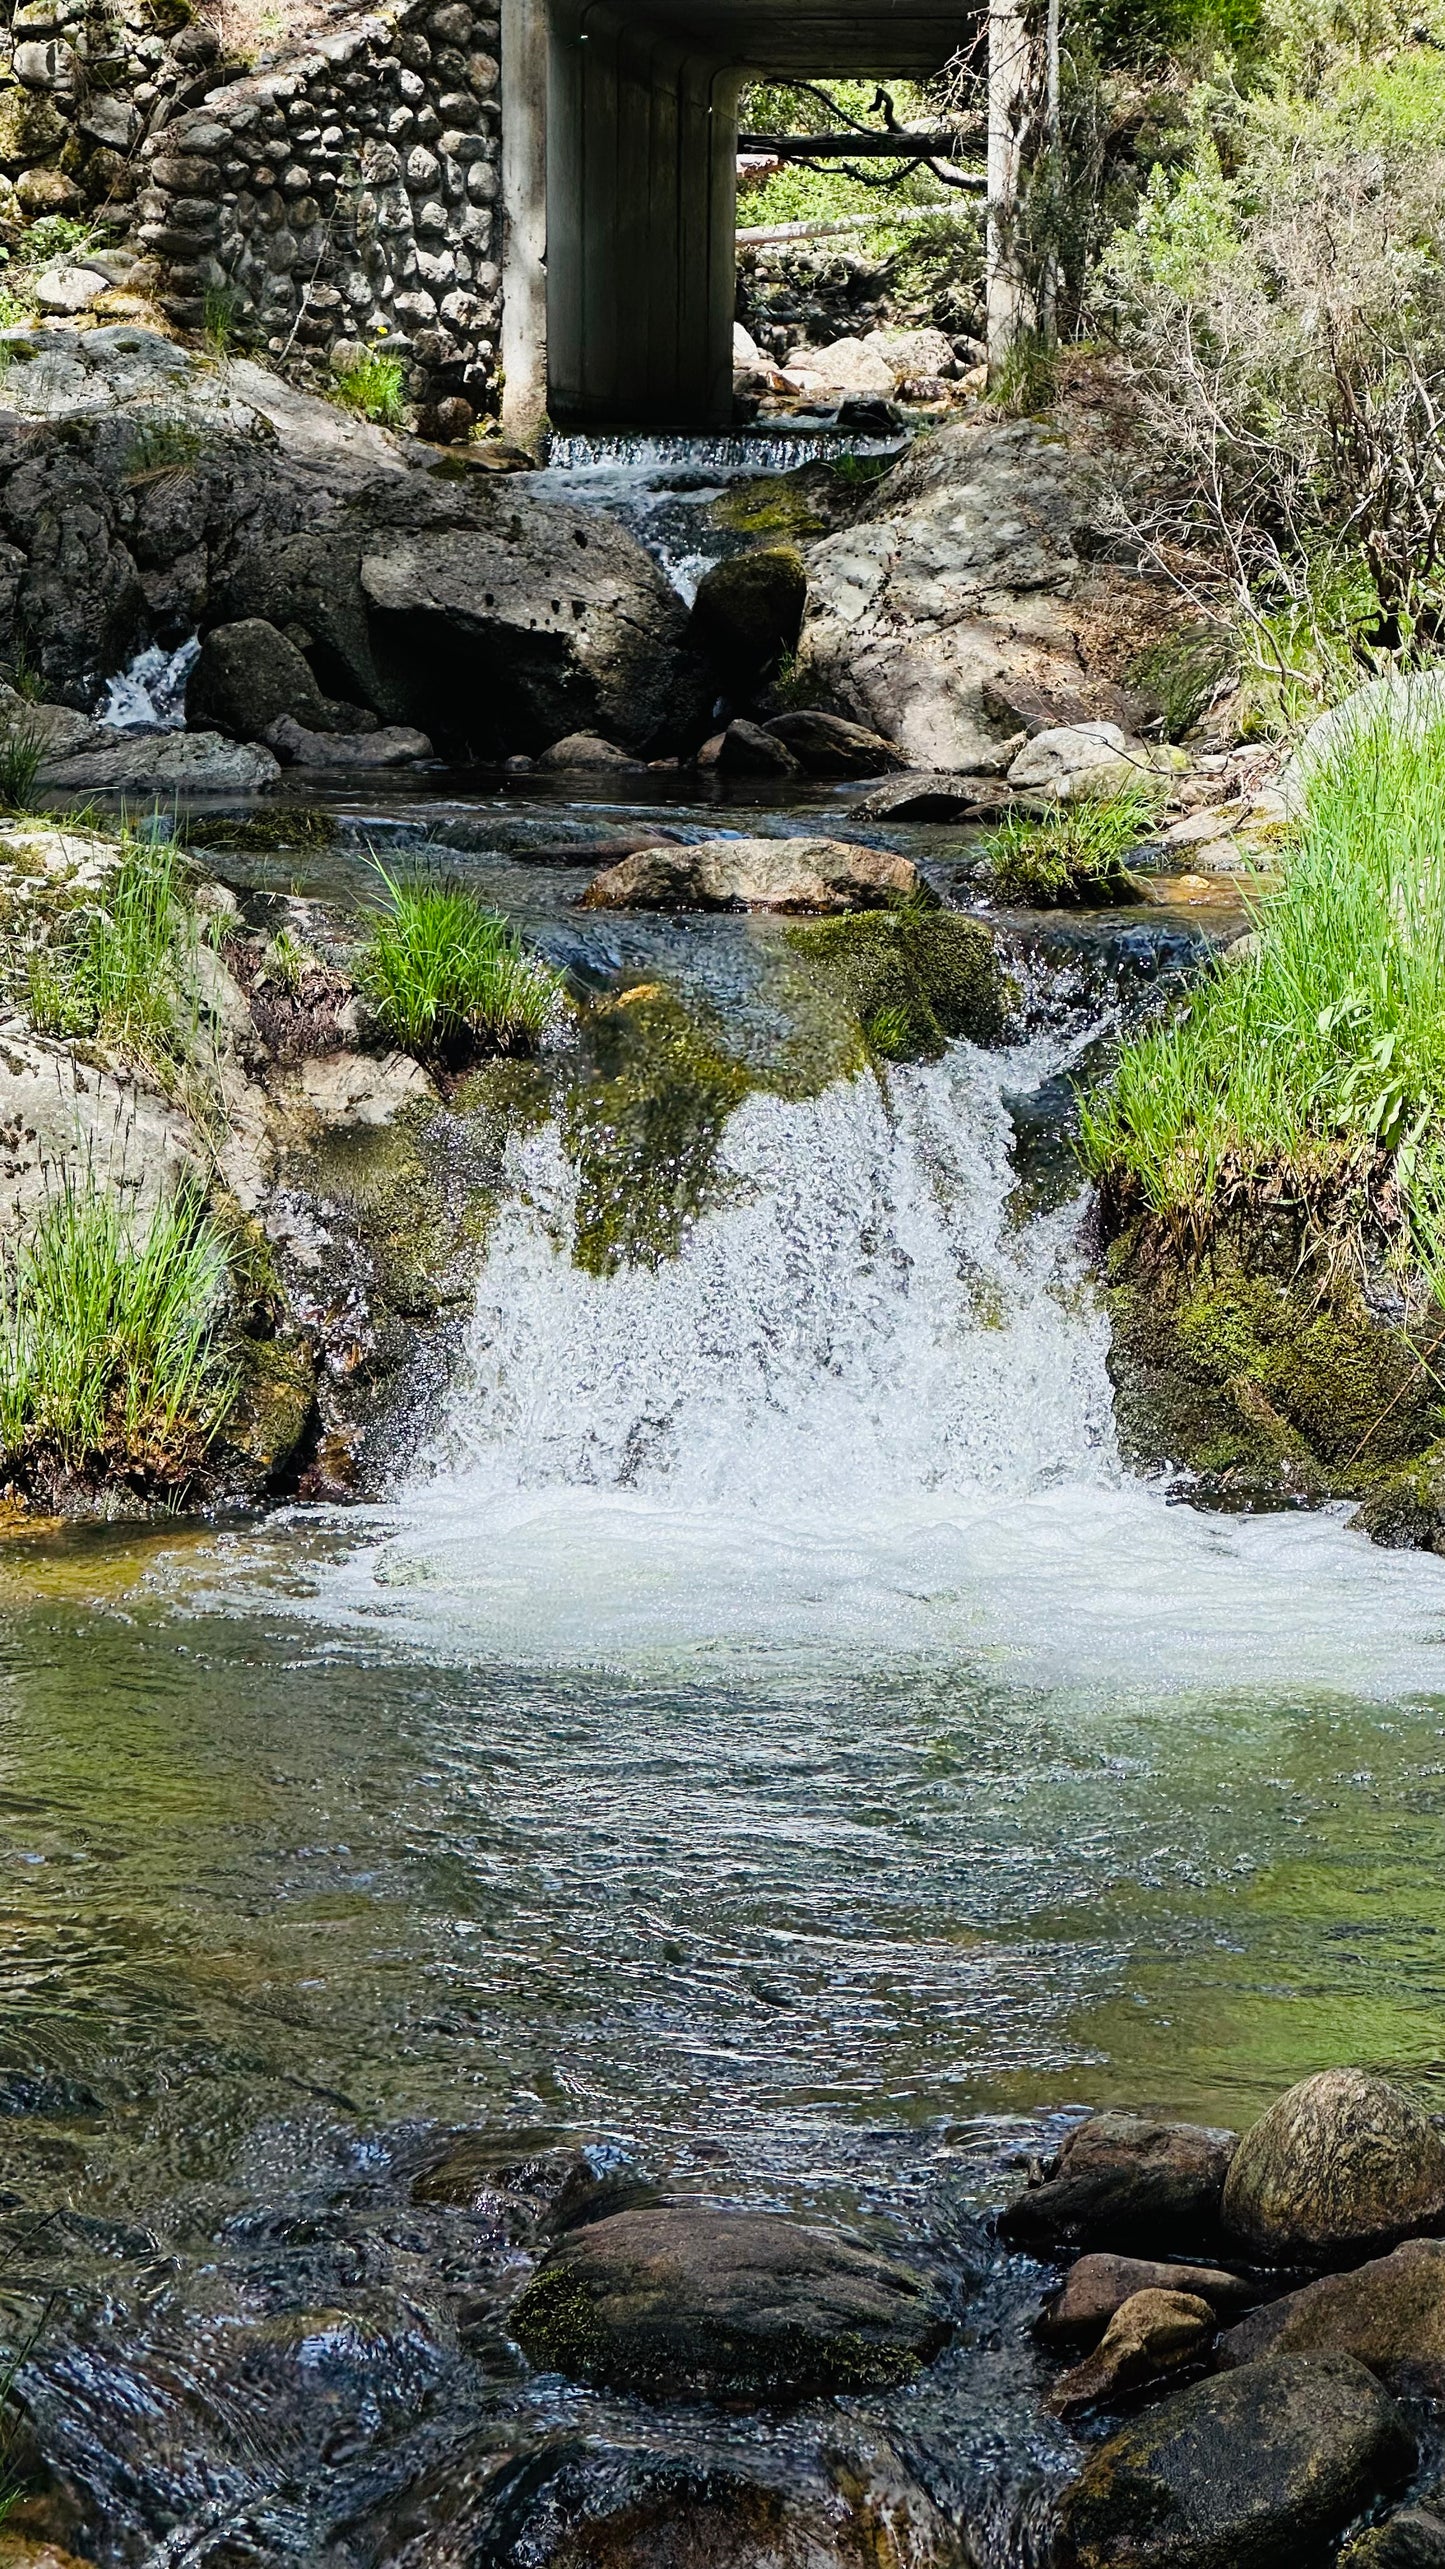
(643, 1129)
(915, 981)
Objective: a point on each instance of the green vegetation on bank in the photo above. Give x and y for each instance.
(116, 965)
(113, 1342)
(1323, 1048)
(449, 978)
(1076, 853)
(375, 387)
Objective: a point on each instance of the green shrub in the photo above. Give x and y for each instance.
(1074, 854)
(1181, 676)
(450, 979)
(1026, 380)
(112, 1338)
(376, 387)
(1326, 1045)
(221, 318)
(160, 448)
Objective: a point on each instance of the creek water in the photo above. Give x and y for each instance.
(765, 1737)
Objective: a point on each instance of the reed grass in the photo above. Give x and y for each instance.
(449, 978)
(112, 1338)
(1325, 1046)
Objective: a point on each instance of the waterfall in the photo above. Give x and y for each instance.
(151, 694)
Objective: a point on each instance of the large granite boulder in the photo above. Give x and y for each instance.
(1121, 2181)
(176, 762)
(958, 573)
(795, 874)
(692, 2302)
(1248, 2470)
(247, 675)
(1390, 2314)
(1341, 2163)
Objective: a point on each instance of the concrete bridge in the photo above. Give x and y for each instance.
(619, 145)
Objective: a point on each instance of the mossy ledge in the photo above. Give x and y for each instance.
(914, 980)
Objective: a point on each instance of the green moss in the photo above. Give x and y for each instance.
(779, 505)
(914, 981)
(643, 1130)
(274, 1400)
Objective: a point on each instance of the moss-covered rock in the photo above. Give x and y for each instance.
(643, 1123)
(749, 612)
(1277, 1361)
(914, 981)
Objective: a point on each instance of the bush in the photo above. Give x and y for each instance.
(1074, 854)
(112, 1352)
(449, 979)
(1325, 1047)
(375, 387)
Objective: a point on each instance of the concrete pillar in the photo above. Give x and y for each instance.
(526, 70)
(641, 216)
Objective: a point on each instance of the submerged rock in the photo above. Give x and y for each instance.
(1250, 2470)
(1096, 2286)
(818, 874)
(1341, 2163)
(915, 983)
(1123, 2181)
(1150, 2335)
(936, 798)
(1390, 2314)
(692, 2302)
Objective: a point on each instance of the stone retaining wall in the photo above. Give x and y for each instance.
(346, 198)
(81, 81)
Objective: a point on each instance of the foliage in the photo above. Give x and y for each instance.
(449, 978)
(1074, 854)
(1326, 1045)
(1026, 379)
(1181, 676)
(112, 1339)
(221, 318)
(22, 751)
(118, 969)
(375, 387)
(160, 448)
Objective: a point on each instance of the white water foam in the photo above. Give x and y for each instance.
(863, 1415)
(151, 694)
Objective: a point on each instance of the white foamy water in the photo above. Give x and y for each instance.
(151, 694)
(863, 1414)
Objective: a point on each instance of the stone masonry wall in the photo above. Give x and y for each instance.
(346, 198)
(81, 82)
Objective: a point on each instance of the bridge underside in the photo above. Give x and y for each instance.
(619, 133)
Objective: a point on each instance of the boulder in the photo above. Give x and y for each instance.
(936, 798)
(845, 366)
(1412, 701)
(800, 874)
(66, 291)
(1123, 2181)
(391, 745)
(1341, 2163)
(247, 675)
(68, 1123)
(913, 352)
(826, 745)
(1413, 2539)
(580, 751)
(1389, 2314)
(1077, 761)
(914, 983)
(692, 2302)
(1096, 2286)
(957, 569)
(1150, 2334)
(177, 762)
(57, 730)
(747, 613)
(1248, 2470)
(745, 749)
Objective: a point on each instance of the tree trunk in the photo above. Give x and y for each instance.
(1023, 114)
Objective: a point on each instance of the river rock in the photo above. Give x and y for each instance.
(913, 982)
(1248, 2470)
(935, 798)
(826, 745)
(693, 2302)
(66, 291)
(745, 749)
(798, 874)
(845, 365)
(748, 611)
(1150, 2334)
(1341, 2163)
(1390, 2314)
(1413, 2539)
(1078, 761)
(247, 675)
(1096, 2286)
(385, 745)
(957, 570)
(1412, 701)
(56, 730)
(1123, 2181)
(581, 751)
(176, 762)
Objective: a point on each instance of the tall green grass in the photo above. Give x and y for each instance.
(1074, 854)
(1325, 1046)
(449, 978)
(119, 971)
(112, 1339)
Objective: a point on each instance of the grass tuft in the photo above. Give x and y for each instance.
(1324, 1047)
(1074, 854)
(450, 979)
(22, 752)
(376, 387)
(112, 1341)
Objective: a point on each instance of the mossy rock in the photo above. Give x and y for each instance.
(271, 1412)
(785, 504)
(915, 982)
(31, 129)
(749, 612)
(1266, 1377)
(298, 830)
(643, 1125)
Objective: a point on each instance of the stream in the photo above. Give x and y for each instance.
(765, 1740)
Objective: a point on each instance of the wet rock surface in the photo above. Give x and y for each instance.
(688, 2302)
(1341, 2163)
(1390, 2314)
(1151, 2335)
(1239, 2472)
(803, 874)
(1097, 2285)
(1123, 2181)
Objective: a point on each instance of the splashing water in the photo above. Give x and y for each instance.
(151, 694)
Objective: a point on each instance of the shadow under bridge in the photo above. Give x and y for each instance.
(619, 181)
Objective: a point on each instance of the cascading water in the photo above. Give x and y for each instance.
(151, 694)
